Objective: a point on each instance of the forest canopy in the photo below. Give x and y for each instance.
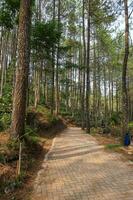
(78, 60)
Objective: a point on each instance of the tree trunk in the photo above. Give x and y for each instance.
(57, 67)
(84, 50)
(88, 76)
(94, 87)
(105, 96)
(53, 67)
(20, 91)
(124, 72)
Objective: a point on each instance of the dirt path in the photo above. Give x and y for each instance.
(79, 169)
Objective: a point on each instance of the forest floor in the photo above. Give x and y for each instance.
(13, 187)
(78, 168)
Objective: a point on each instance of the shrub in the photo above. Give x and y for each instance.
(115, 119)
(5, 121)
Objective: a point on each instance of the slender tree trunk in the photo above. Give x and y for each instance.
(79, 89)
(46, 88)
(4, 62)
(1, 45)
(88, 75)
(99, 88)
(94, 87)
(20, 92)
(117, 97)
(124, 72)
(53, 67)
(84, 64)
(105, 95)
(57, 67)
(112, 90)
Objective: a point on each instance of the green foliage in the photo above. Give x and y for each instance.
(102, 13)
(5, 121)
(6, 100)
(70, 65)
(45, 111)
(106, 40)
(115, 118)
(44, 37)
(130, 125)
(65, 113)
(5, 107)
(71, 43)
(9, 13)
(5, 19)
(31, 136)
(13, 4)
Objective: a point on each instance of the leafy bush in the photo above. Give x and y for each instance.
(115, 119)
(5, 120)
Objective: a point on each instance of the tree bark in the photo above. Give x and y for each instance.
(21, 85)
(124, 72)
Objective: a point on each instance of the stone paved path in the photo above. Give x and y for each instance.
(79, 169)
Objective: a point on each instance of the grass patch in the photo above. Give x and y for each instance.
(112, 146)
